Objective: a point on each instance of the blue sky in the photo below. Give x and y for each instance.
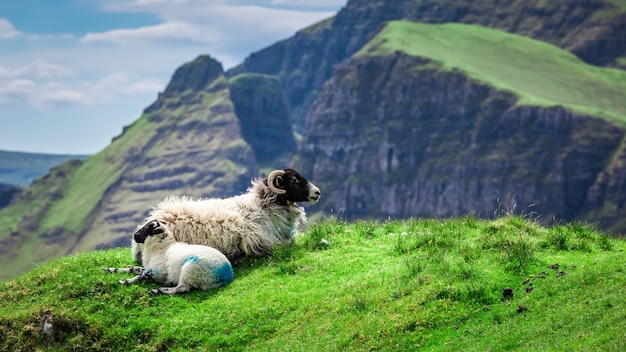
(73, 73)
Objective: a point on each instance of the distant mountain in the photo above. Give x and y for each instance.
(412, 108)
(20, 169)
(426, 121)
(592, 30)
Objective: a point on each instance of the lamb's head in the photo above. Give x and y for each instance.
(150, 232)
(289, 185)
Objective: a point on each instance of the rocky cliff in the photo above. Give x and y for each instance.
(398, 136)
(263, 112)
(591, 29)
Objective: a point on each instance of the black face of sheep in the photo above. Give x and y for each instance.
(290, 186)
(151, 228)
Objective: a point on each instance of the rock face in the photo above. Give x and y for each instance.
(263, 113)
(399, 137)
(590, 29)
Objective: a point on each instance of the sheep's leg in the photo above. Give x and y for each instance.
(170, 290)
(131, 269)
(144, 275)
(186, 272)
(131, 280)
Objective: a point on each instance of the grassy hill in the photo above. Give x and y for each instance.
(397, 285)
(539, 73)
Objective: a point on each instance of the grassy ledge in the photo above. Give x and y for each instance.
(539, 73)
(396, 285)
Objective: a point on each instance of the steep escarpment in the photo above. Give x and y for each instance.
(606, 198)
(590, 29)
(263, 113)
(400, 136)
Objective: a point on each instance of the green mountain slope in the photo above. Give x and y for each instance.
(437, 285)
(539, 73)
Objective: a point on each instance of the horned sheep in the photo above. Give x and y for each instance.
(177, 264)
(249, 224)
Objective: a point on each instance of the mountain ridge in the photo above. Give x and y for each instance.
(590, 29)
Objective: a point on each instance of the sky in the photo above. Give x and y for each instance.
(73, 73)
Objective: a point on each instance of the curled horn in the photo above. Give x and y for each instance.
(270, 181)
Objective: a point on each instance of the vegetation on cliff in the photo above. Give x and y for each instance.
(455, 284)
(538, 73)
(589, 29)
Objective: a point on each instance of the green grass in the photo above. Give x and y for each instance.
(537, 72)
(392, 286)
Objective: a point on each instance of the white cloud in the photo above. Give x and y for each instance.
(42, 69)
(41, 85)
(51, 94)
(7, 30)
(143, 87)
(15, 92)
(310, 3)
(223, 27)
(37, 68)
(161, 32)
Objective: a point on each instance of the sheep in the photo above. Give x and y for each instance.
(249, 224)
(180, 264)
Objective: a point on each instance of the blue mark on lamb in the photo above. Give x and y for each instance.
(224, 274)
(191, 259)
(184, 266)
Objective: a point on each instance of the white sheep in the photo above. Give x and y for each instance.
(246, 225)
(177, 264)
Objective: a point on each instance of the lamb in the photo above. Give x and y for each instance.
(249, 224)
(180, 264)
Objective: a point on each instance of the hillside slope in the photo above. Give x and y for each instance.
(437, 285)
(187, 142)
